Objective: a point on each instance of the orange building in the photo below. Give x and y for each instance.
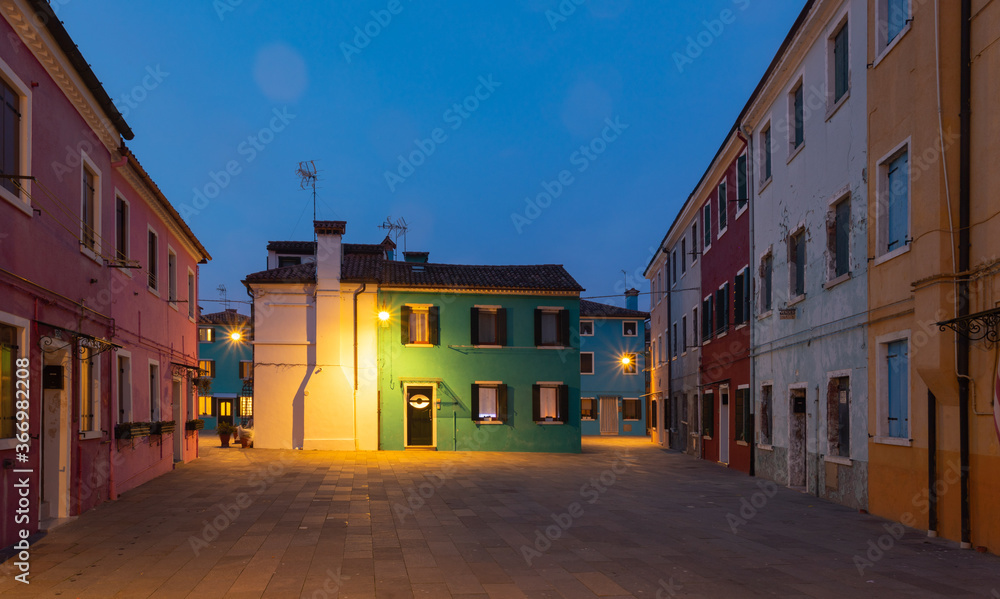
(933, 224)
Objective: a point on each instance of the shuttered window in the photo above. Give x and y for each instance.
(550, 403)
(708, 415)
(706, 223)
(797, 263)
(10, 136)
(744, 420)
(723, 209)
(766, 274)
(551, 327)
(897, 377)
(742, 189)
(8, 363)
(151, 260)
(489, 402)
(840, 64)
(419, 325)
(899, 202)
(798, 113)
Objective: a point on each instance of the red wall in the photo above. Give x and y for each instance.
(53, 279)
(726, 359)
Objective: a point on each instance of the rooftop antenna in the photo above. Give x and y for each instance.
(625, 278)
(397, 228)
(307, 172)
(222, 293)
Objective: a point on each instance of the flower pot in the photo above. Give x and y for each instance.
(224, 437)
(244, 442)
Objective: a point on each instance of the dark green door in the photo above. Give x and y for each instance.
(419, 416)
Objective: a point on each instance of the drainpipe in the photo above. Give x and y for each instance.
(932, 463)
(357, 292)
(670, 366)
(964, 250)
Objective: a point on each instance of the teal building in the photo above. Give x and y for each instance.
(225, 364)
(478, 357)
(613, 398)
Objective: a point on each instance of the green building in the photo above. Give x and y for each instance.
(225, 364)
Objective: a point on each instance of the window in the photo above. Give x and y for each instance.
(246, 369)
(204, 406)
(893, 17)
(894, 203)
(744, 421)
(171, 276)
(550, 402)
(151, 263)
(630, 364)
(630, 328)
(489, 402)
(765, 150)
(797, 106)
(708, 414)
(8, 379)
(206, 368)
(723, 207)
(191, 298)
(660, 349)
(838, 231)
(722, 309)
(894, 391)
(418, 325)
(653, 297)
(766, 274)
(742, 189)
(684, 258)
(586, 362)
(840, 63)
(797, 264)
(121, 228)
(284, 261)
(225, 407)
(124, 388)
(206, 334)
(246, 406)
(706, 223)
(631, 409)
(694, 241)
(154, 392)
(673, 268)
(587, 411)
(89, 209)
(706, 318)
(587, 328)
(765, 414)
(694, 326)
(652, 415)
(551, 327)
(838, 416)
(741, 303)
(684, 334)
(89, 404)
(10, 137)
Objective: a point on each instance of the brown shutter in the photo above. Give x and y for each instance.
(538, 327)
(475, 326)
(433, 328)
(564, 328)
(563, 403)
(502, 403)
(501, 326)
(833, 415)
(536, 399)
(404, 324)
(475, 402)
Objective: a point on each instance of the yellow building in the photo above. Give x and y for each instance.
(934, 242)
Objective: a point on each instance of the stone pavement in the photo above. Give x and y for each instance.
(623, 519)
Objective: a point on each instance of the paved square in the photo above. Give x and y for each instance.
(623, 519)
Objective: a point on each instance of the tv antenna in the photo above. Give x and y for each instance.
(307, 172)
(222, 293)
(397, 228)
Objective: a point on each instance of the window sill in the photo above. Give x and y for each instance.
(17, 202)
(706, 438)
(537, 346)
(764, 184)
(721, 232)
(890, 255)
(489, 421)
(836, 459)
(741, 210)
(431, 345)
(740, 326)
(631, 419)
(899, 441)
(153, 291)
(795, 152)
(798, 299)
(721, 335)
(742, 443)
(547, 422)
(88, 435)
(173, 305)
(86, 251)
(764, 315)
(892, 44)
(833, 109)
(706, 249)
(834, 282)
(765, 446)
(587, 419)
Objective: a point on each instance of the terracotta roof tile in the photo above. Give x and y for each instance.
(595, 309)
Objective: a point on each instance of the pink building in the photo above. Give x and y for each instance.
(98, 291)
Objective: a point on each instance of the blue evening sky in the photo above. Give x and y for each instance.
(556, 72)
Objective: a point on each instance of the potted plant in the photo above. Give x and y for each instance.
(225, 431)
(123, 430)
(195, 425)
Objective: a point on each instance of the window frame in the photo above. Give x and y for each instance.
(432, 324)
(21, 328)
(742, 426)
(592, 411)
(210, 334)
(208, 372)
(766, 155)
(706, 223)
(591, 323)
(796, 279)
(155, 389)
(123, 230)
(834, 62)
(742, 309)
(501, 399)
(765, 415)
(635, 323)
(765, 275)
(172, 277)
(94, 250)
(796, 118)
(707, 428)
(632, 368)
(834, 448)
(152, 261)
(562, 403)
(124, 398)
(562, 316)
(722, 197)
(638, 409)
(89, 395)
(22, 199)
(192, 294)
(833, 250)
(742, 184)
(883, 43)
(245, 370)
(882, 435)
(593, 366)
(883, 204)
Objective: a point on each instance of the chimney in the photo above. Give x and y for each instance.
(416, 257)
(328, 252)
(632, 299)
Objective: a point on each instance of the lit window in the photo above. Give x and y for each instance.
(246, 369)
(630, 364)
(550, 402)
(205, 406)
(246, 406)
(551, 327)
(8, 363)
(206, 368)
(489, 402)
(206, 334)
(88, 414)
(547, 407)
(587, 408)
(225, 407)
(631, 409)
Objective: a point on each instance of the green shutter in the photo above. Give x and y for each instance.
(475, 402)
(536, 400)
(404, 324)
(538, 327)
(433, 328)
(564, 328)
(502, 403)
(563, 403)
(501, 326)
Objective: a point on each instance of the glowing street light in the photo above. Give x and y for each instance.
(236, 336)
(383, 317)
(626, 360)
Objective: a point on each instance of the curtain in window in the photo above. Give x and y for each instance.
(487, 402)
(547, 403)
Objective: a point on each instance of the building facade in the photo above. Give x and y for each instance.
(612, 361)
(935, 442)
(355, 350)
(225, 364)
(99, 285)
